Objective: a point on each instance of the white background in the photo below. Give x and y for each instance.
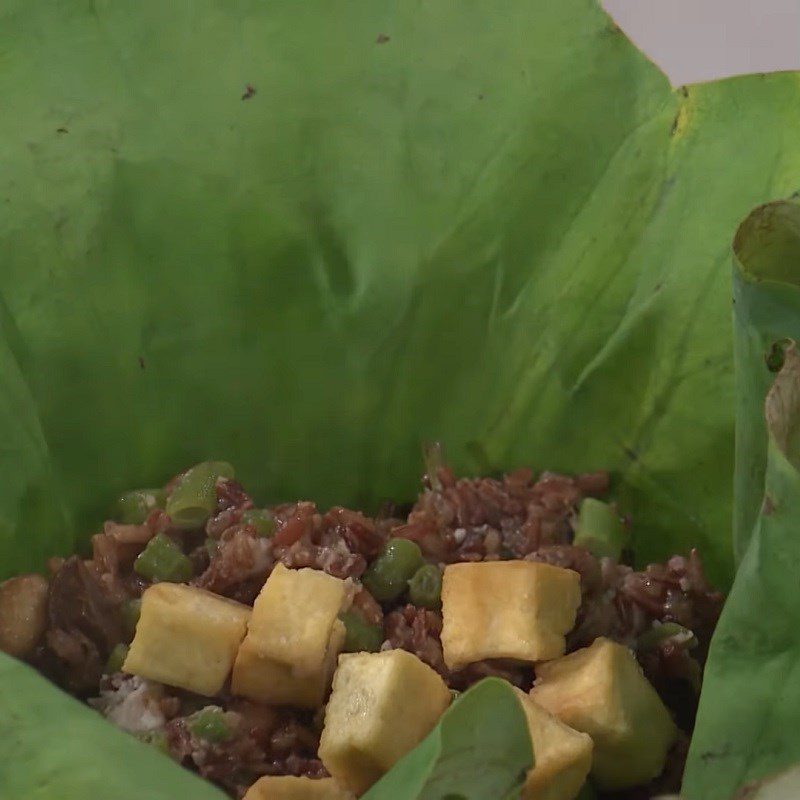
(698, 40)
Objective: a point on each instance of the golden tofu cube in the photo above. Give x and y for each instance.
(602, 691)
(267, 681)
(293, 638)
(382, 705)
(186, 637)
(507, 609)
(287, 787)
(562, 755)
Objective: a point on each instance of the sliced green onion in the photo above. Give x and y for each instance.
(211, 724)
(261, 519)
(599, 529)
(134, 507)
(652, 639)
(162, 560)
(194, 498)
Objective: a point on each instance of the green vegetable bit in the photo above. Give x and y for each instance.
(388, 575)
(194, 498)
(425, 588)
(116, 659)
(131, 611)
(261, 519)
(133, 507)
(157, 739)
(360, 636)
(651, 639)
(162, 560)
(657, 635)
(211, 724)
(599, 529)
(211, 545)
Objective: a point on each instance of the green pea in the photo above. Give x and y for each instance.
(599, 529)
(131, 611)
(261, 519)
(651, 639)
(425, 588)
(210, 724)
(133, 507)
(162, 560)
(194, 498)
(388, 575)
(116, 659)
(360, 636)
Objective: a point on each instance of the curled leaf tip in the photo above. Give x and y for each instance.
(767, 243)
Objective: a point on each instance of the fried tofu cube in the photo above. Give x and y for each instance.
(507, 609)
(293, 639)
(602, 691)
(562, 755)
(382, 705)
(288, 787)
(186, 637)
(267, 681)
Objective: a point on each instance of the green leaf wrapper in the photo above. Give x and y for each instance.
(306, 237)
(750, 706)
(56, 748)
(480, 750)
(499, 228)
